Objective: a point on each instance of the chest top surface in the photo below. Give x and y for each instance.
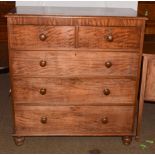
(72, 11)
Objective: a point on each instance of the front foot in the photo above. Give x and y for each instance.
(126, 140)
(19, 140)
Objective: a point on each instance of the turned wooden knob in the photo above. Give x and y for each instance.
(42, 91)
(106, 91)
(43, 120)
(108, 64)
(43, 63)
(109, 38)
(42, 37)
(104, 120)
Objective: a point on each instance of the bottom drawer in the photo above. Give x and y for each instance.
(74, 120)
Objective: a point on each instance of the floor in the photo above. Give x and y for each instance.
(70, 144)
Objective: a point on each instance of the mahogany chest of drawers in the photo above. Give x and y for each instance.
(74, 71)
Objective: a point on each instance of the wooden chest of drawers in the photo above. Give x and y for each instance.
(74, 71)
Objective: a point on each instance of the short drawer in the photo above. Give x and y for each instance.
(30, 37)
(74, 63)
(70, 120)
(109, 37)
(74, 91)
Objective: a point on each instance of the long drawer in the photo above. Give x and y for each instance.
(109, 37)
(70, 120)
(41, 37)
(73, 63)
(74, 91)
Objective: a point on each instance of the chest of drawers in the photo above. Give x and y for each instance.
(74, 71)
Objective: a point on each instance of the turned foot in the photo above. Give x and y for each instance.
(19, 140)
(126, 140)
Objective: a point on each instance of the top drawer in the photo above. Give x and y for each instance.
(109, 37)
(31, 37)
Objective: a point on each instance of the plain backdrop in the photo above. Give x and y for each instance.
(118, 4)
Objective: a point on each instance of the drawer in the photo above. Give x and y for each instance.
(74, 91)
(73, 120)
(30, 37)
(74, 63)
(150, 81)
(109, 37)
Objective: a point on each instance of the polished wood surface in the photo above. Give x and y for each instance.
(75, 75)
(29, 37)
(74, 91)
(69, 120)
(97, 37)
(66, 63)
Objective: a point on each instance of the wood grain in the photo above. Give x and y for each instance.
(73, 120)
(150, 81)
(95, 37)
(27, 37)
(75, 21)
(75, 83)
(73, 63)
(74, 91)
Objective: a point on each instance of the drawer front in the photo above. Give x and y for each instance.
(74, 91)
(150, 81)
(70, 120)
(109, 37)
(30, 37)
(74, 63)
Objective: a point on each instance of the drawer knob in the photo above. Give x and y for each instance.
(42, 37)
(106, 91)
(104, 120)
(42, 91)
(10, 92)
(43, 120)
(43, 63)
(108, 64)
(146, 13)
(109, 38)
